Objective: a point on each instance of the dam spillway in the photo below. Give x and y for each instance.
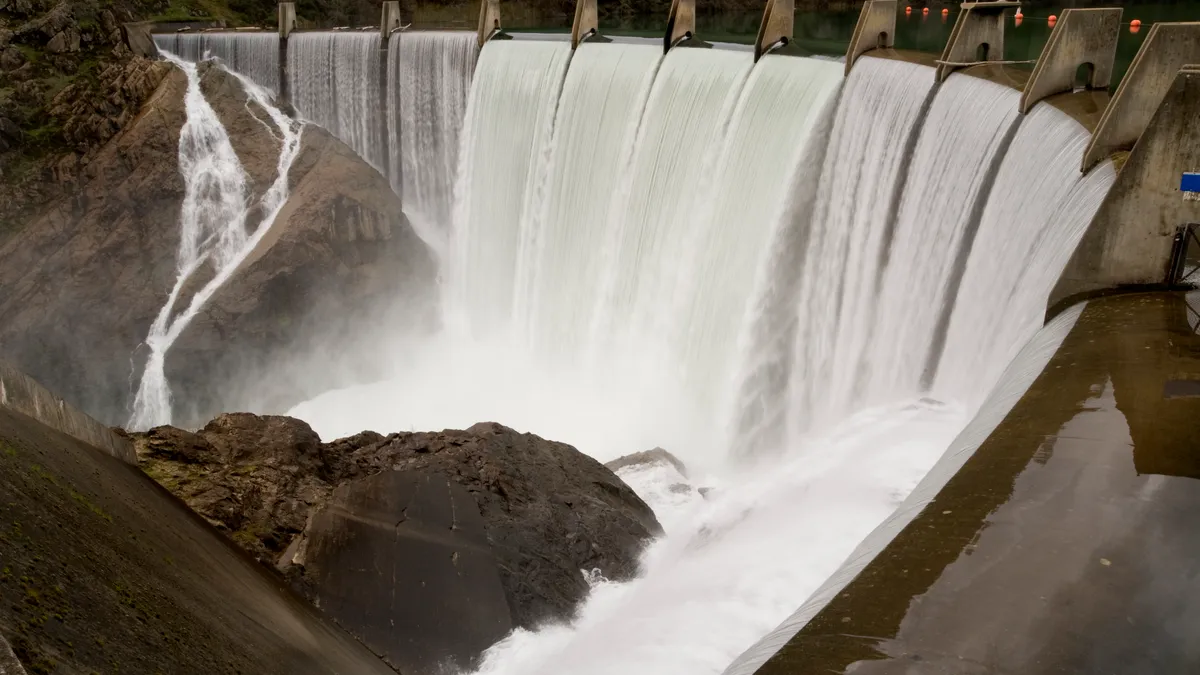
(335, 82)
(774, 272)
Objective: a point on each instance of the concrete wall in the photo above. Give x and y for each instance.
(876, 24)
(1167, 48)
(1129, 242)
(20, 393)
(1080, 36)
(977, 24)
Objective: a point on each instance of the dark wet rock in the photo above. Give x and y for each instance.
(680, 488)
(253, 477)
(648, 457)
(103, 572)
(402, 560)
(548, 510)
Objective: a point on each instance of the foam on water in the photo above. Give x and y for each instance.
(334, 80)
(429, 76)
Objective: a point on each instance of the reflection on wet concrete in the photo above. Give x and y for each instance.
(1070, 541)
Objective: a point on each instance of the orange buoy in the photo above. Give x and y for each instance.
(925, 11)
(1052, 20)
(1134, 29)
(945, 12)
(1136, 23)
(908, 10)
(1018, 18)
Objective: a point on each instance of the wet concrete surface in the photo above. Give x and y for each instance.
(1069, 543)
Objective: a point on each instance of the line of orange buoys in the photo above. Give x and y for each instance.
(1018, 18)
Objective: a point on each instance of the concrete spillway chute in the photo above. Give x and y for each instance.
(1168, 47)
(876, 29)
(777, 27)
(977, 37)
(1083, 40)
(489, 20)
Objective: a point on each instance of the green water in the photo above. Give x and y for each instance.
(828, 32)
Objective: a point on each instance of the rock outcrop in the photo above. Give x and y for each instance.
(647, 457)
(81, 283)
(547, 511)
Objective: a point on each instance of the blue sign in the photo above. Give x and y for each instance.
(1190, 182)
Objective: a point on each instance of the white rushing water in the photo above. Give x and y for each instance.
(1041, 195)
(429, 76)
(808, 275)
(966, 128)
(510, 123)
(212, 226)
(334, 80)
(636, 237)
(603, 97)
(254, 55)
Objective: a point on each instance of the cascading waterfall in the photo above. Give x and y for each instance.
(1034, 218)
(968, 124)
(429, 76)
(335, 84)
(762, 162)
(510, 121)
(254, 55)
(212, 225)
(601, 105)
(682, 131)
(844, 233)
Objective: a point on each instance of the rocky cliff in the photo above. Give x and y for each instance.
(547, 513)
(82, 280)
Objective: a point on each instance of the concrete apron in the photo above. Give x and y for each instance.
(1067, 543)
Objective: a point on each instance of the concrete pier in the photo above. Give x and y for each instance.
(489, 20)
(1065, 544)
(1130, 240)
(389, 20)
(1167, 48)
(977, 37)
(876, 29)
(287, 19)
(1082, 39)
(778, 25)
(587, 22)
(681, 23)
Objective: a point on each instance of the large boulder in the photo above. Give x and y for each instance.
(82, 281)
(546, 512)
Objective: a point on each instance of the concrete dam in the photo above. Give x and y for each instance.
(920, 321)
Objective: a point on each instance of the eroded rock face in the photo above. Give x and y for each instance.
(548, 510)
(81, 283)
(648, 457)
